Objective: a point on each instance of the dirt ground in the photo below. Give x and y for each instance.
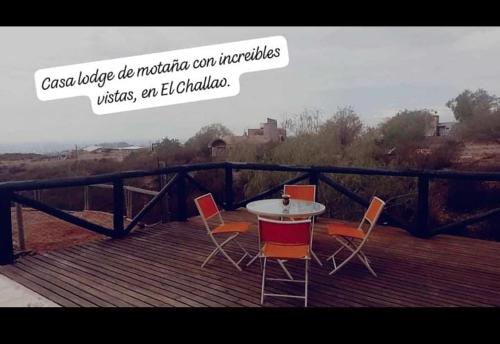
(47, 160)
(479, 156)
(43, 232)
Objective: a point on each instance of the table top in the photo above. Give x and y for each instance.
(274, 207)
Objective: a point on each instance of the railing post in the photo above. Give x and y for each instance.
(422, 222)
(228, 187)
(86, 203)
(6, 245)
(181, 197)
(164, 206)
(129, 203)
(118, 200)
(314, 179)
(20, 227)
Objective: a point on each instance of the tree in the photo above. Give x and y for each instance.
(468, 105)
(307, 122)
(205, 136)
(168, 148)
(406, 128)
(345, 126)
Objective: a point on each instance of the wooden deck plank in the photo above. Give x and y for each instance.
(48, 292)
(252, 284)
(160, 266)
(162, 287)
(134, 283)
(183, 273)
(19, 275)
(256, 275)
(111, 289)
(372, 281)
(199, 293)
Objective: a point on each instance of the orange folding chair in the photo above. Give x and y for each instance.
(354, 238)
(208, 209)
(303, 193)
(284, 240)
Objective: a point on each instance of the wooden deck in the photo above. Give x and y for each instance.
(160, 266)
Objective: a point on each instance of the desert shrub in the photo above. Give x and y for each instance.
(478, 113)
(16, 169)
(70, 198)
(439, 157)
(20, 156)
(339, 141)
(399, 193)
(484, 127)
(344, 127)
(245, 153)
(406, 128)
(468, 105)
(470, 195)
(306, 122)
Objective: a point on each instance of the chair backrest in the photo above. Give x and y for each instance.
(372, 213)
(284, 232)
(207, 208)
(301, 192)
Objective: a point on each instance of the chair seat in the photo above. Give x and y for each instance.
(232, 227)
(285, 251)
(345, 230)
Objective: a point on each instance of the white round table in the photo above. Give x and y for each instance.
(275, 208)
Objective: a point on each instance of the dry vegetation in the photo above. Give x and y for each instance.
(313, 139)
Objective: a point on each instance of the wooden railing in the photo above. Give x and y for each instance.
(177, 185)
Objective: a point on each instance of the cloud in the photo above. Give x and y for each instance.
(377, 70)
(478, 41)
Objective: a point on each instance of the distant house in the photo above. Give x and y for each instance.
(130, 148)
(444, 128)
(437, 128)
(93, 149)
(267, 133)
(103, 149)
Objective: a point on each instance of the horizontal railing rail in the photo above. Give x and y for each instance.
(109, 177)
(62, 215)
(315, 174)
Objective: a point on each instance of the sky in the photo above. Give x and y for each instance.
(376, 70)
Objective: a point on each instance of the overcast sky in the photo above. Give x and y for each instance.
(378, 71)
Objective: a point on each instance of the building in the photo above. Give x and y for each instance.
(267, 133)
(444, 128)
(93, 149)
(437, 128)
(109, 149)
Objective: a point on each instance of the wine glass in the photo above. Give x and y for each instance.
(286, 202)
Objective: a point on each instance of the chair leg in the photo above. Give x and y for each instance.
(365, 261)
(231, 260)
(263, 282)
(219, 248)
(280, 262)
(361, 256)
(350, 245)
(316, 258)
(252, 260)
(243, 249)
(306, 282)
(214, 252)
(335, 253)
